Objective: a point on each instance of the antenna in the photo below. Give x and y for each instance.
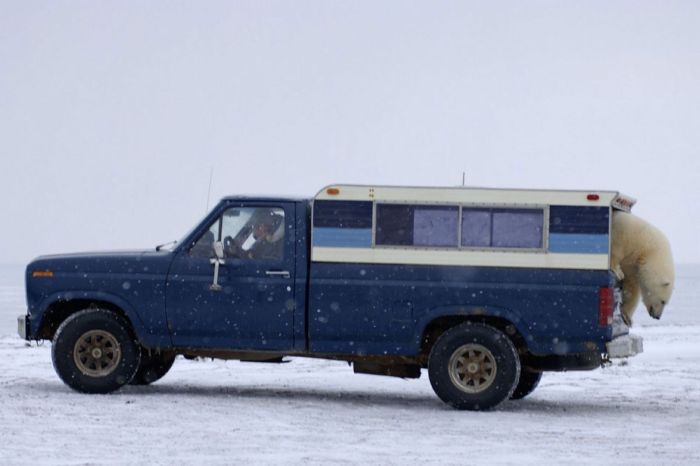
(211, 175)
(464, 177)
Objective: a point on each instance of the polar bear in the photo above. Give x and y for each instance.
(641, 258)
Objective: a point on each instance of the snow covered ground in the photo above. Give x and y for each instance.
(642, 411)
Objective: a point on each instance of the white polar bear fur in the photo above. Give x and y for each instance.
(641, 257)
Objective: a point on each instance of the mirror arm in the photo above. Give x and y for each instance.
(217, 261)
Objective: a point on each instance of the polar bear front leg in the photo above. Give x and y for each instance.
(630, 298)
(616, 256)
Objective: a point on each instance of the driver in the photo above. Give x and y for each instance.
(265, 247)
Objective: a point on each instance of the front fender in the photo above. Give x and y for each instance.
(145, 336)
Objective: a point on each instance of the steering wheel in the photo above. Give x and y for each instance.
(231, 249)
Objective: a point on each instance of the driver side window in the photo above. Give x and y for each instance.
(248, 233)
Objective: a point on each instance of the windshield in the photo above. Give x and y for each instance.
(169, 246)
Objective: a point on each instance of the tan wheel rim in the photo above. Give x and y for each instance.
(472, 368)
(97, 353)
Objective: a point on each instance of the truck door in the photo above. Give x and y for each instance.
(251, 304)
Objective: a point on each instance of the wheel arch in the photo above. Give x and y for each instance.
(59, 308)
(447, 318)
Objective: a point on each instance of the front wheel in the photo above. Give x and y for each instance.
(93, 351)
(473, 366)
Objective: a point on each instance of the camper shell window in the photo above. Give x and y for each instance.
(440, 226)
(416, 225)
(502, 228)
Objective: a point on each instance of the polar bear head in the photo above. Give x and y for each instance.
(656, 279)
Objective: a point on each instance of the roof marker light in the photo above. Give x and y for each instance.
(42, 273)
(333, 191)
(593, 197)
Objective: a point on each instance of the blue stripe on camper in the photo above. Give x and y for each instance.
(578, 219)
(578, 243)
(343, 237)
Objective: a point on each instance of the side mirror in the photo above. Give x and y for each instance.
(219, 250)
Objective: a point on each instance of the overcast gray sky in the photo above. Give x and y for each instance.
(113, 113)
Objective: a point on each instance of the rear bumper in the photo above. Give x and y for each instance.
(23, 326)
(625, 346)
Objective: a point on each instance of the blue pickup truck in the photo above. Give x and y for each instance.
(484, 288)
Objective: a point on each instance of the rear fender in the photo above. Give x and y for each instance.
(474, 313)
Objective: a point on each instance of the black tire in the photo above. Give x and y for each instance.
(154, 365)
(473, 366)
(529, 380)
(94, 351)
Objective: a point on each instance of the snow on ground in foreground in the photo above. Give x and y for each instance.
(216, 412)
(644, 411)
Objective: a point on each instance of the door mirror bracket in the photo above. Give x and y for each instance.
(217, 261)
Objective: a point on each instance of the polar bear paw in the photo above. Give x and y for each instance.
(617, 270)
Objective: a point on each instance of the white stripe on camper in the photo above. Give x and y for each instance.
(460, 258)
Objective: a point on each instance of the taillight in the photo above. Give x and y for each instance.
(606, 306)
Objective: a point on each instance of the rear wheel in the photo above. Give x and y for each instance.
(93, 351)
(529, 380)
(154, 365)
(473, 366)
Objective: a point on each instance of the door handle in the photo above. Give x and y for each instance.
(277, 273)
